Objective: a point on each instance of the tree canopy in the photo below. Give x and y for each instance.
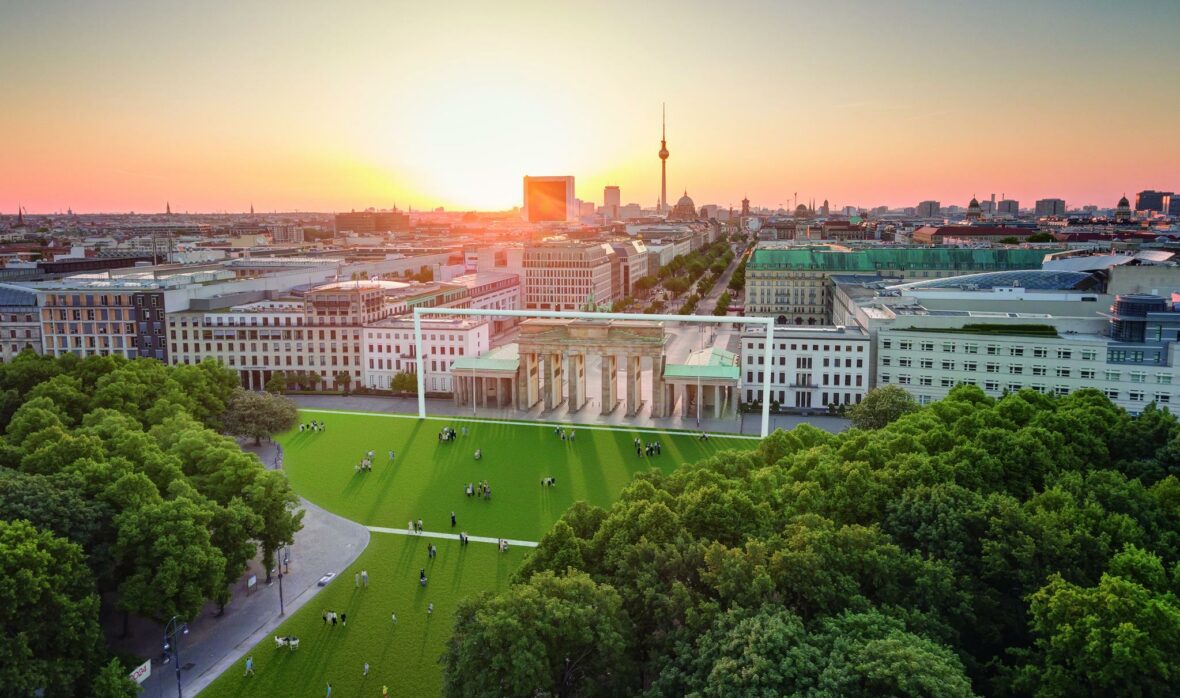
(114, 479)
(1025, 545)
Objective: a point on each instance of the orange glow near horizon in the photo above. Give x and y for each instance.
(229, 104)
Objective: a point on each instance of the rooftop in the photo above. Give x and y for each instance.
(710, 363)
(1033, 279)
(502, 358)
(890, 258)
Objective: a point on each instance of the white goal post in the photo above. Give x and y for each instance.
(767, 322)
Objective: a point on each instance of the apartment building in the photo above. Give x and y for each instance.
(256, 338)
(811, 368)
(20, 325)
(564, 275)
(389, 349)
(103, 319)
(492, 290)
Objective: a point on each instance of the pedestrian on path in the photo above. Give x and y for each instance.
(420, 526)
(409, 527)
(249, 666)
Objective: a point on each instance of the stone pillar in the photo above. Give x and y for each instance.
(610, 383)
(659, 391)
(717, 401)
(481, 385)
(553, 378)
(685, 399)
(634, 384)
(576, 377)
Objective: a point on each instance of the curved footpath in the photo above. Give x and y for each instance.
(327, 543)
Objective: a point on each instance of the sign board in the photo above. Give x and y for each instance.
(251, 582)
(142, 672)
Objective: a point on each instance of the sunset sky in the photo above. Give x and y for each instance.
(214, 105)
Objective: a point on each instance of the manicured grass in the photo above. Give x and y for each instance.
(427, 477)
(405, 656)
(426, 482)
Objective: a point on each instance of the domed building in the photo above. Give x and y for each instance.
(801, 211)
(1122, 212)
(974, 210)
(684, 210)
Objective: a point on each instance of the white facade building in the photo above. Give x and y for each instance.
(810, 368)
(929, 364)
(389, 349)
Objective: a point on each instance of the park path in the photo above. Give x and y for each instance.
(327, 543)
(451, 536)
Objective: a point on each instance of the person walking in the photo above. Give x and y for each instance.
(420, 526)
(249, 666)
(452, 519)
(393, 617)
(430, 609)
(329, 695)
(343, 619)
(366, 672)
(365, 578)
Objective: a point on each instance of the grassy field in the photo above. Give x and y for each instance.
(404, 656)
(426, 481)
(427, 478)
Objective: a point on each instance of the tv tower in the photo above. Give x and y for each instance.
(663, 160)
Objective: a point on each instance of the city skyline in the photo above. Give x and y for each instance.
(309, 111)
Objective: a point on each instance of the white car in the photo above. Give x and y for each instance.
(325, 579)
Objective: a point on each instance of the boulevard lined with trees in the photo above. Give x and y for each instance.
(1028, 545)
(115, 480)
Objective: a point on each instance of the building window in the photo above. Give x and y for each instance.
(1089, 354)
(904, 362)
(948, 347)
(1086, 374)
(991, 385)
(1163, 398)
(927, 346)
(970, 348)
(1016, 351)
(1064, 354)
(1040, 352)
(905, 345)
(970, 366)
(1111, 393)
(1163, 378)
(993, 349)
(993, 368)
(1135, 395)
(1016, 370)
(1038, 370)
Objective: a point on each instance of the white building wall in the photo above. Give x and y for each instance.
(810, 369)
(929, 365)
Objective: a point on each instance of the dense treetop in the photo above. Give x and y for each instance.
(1022, 546)
(114, 478)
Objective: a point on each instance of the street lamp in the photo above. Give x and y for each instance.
(172, 632)
(279, 563)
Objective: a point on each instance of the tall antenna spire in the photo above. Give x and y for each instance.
(663, 121)
(663, 205)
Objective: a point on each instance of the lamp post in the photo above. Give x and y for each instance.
(279, 562)
(172, 632)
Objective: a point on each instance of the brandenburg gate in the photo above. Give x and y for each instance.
(553, 362)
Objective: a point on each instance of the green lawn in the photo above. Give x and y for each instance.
(405, 656)
(426, 481)
(427, 478)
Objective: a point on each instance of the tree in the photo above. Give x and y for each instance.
(112, 681)
(256, 415)
(1009, 240)
(562, 636)
(48, 610)
(277, 383)
(1120, 637)
(172, 565)
(314, 379)
(343, 381)
(1041, 237)
(405, 383)
(271, 498)
(881, 406)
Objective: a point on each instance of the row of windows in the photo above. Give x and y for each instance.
(1017, 369)
(990, 349)
(996, 386)
(804, 362)
(860, 347)
(805, 379)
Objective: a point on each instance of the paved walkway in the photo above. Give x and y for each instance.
(327, 543)
(749, 424)
(451, 536)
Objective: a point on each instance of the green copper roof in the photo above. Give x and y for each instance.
(505, 358)
(896, 258)
(708, 363)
